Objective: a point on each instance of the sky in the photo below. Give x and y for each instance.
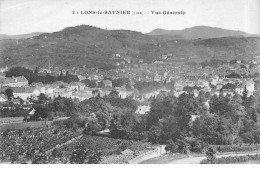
(27, 16)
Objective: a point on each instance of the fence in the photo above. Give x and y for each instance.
(158, 151)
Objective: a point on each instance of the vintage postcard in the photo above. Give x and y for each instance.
(129, 82)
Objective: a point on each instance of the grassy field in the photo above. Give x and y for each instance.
(164, 159)
(23, 125)
(250, 162)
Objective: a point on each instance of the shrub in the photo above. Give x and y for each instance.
(211, 155)
(180, 146)
(95, 157)
(248, 137)
(79, 154)
(195, 145)
(233, 159)
(171, 146)
(39, 158)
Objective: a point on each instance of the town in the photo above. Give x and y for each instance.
(229, 78)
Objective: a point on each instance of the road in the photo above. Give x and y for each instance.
(197, 160)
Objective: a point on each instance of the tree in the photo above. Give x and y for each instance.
(171, 146)
(36, 71)
(101, 84)
(56, 153)
(128, 86)
(42, 98)
(40, 112)
(96, 93)
(79, 154)
(95, 157)
(117, 82)
(20, 71)
(113, 94)
(61, 76)
(92, 127)
(245, 92)
(154, 134)
(9, 93)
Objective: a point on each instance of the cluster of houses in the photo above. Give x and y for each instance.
(22, 90)
(208, 79)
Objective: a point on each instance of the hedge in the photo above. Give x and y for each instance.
(235, 148)
(233, 159)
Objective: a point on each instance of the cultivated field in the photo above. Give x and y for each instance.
(23, 125)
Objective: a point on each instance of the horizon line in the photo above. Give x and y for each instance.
(132, 30)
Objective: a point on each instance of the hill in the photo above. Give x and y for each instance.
(75, 46)
(95, 48)
(197, 32)
(21, 36)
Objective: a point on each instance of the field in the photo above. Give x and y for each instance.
(23, 125)
(164, 159)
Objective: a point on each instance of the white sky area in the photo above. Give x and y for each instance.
(26, 16)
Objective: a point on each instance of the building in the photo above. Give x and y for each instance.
(62, 92)
(13, 81)
(250, 87)
(82, 95)
(3, 98)
(76, 86)
(26, 92)
(107, 83)
(157, 77)
(142, 109)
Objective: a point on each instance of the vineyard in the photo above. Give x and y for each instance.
(111, 148)
(22, 144)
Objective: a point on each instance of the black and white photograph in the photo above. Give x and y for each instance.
(129, 82)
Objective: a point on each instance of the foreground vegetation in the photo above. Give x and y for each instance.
(232, 159)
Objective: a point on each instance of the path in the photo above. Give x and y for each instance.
(197, 160)
(58, 146)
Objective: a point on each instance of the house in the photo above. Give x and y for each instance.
(82, 95)
(81, 77)
(16, 101)
(219, 86)
(239, 90)
(3, 98)
(107, 83)
(123, 93)
(142, 109)
(25, 92)
(127, 152)
(178, 85)
(49, 91)
(164, 57)
(250, 87)
(62, 92)
(59, 84)
(3, 69)
(157, 77)
(13, 82)
(76, 86)
(40, 87)
(194, 117)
